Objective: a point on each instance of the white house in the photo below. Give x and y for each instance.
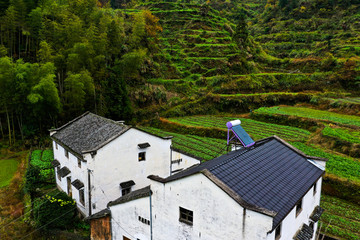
(97, 160)
(268, 191)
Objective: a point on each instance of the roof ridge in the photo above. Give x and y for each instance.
(71, 121)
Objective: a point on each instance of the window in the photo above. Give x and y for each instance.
(79, 162)
(66, 153)
(186, 216)
(142, 156)
(298, 207)
(278, 232)
(125, 191)
(57, 172)
(314, 188)
(56, 146)
(69, 186)
(82, 197)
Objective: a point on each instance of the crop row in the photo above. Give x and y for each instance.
(343, 134)
(345, 167)
(202, 147)
(255, 128)
(311, 113)
(341, 218)
(340, 207)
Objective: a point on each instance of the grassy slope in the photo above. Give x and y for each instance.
(8, 168)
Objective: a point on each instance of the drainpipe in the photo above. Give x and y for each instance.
(170, 160)
(89, 190)
(151, 233)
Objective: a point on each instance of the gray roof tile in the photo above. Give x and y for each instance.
(88, 132)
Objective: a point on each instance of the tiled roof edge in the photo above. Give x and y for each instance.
(140, 193)
(126, 128)
(68, 148)
(155, 135)
(235, 196)
(70, 122)
(102, 213)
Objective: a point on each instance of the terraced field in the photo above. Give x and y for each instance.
(257, 130)
(344, 134)
(311, 113)
(344, 167)
(341, 218)
(201, 147)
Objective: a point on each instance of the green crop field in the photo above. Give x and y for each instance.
(7, 169)
(341, 218)
(311, 113)
(345, 167)
(256, 129)
(344, 134)
(201, 147)
(42, 159)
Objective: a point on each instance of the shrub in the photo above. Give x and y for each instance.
(54, 210)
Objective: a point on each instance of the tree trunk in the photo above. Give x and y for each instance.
(19, 118)
(13, 125)
(8, 122)
(1, 128)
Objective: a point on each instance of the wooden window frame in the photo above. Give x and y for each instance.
(142, 156)
(278, 232)
(298, 207)
(82, 196)
(186, 216)
(125, 191)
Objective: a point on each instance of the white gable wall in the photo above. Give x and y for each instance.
(216, 215)
(183, 161)
(118, 162)
(292, 223)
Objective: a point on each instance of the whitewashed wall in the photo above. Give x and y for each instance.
(216, 215)
(127, 215)
(186, 161)
(76, 173)
(118, 162)
(292, 223)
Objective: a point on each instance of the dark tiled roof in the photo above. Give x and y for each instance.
(316, 214)
(102, 213)
(77, 184)
(63, 172)
(140, 193)
(88, 132)
(305, 233)
(270, 175)
(127, 184)
(144, 145)
(55, 163)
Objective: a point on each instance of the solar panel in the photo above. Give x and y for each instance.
(242, 135)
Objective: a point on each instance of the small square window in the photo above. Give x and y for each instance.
(79, 162)
(298, 207)
(66, 153)
(314, 188)
(142, 156)
(82, 197)
(125, 191)
(186, 216)
(278, 232)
